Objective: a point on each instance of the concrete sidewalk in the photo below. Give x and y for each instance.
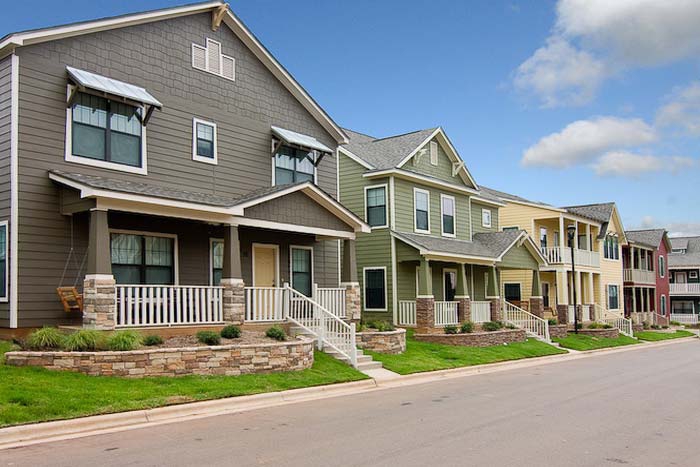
(88, 426)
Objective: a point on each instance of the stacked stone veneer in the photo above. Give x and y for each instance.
(475, 339)
(391, 342)
(99, 302)
(612, 333)
(558, 331)
(233, 300)
(353, 309)
(215, 360)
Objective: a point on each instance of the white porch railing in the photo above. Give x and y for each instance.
(446, 314)
(533, 325)
(168, 305)
(332, 299)
(685, 289)
(481, 312)
(639, 276)
(571, 313)
(623, 324)
(586, 314)
(685, 318)
(329, 330)
(559, 255)
(407, 313)
(264, 304)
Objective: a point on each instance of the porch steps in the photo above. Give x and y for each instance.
(364, 362)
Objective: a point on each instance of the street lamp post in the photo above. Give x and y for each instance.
(571, 231)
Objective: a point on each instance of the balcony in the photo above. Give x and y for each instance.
(640, 276)
(685, 289)
(559, 255)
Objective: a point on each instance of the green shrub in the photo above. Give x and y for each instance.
(491, 326)
(646, 325)
(85, 340)
(467, 327)
(46, 338)
(511, 326)
(152, 340)
(664, 327)
(552, 322)
(451, 329)
(208, 338)
(277, 333)
(675, 323)
(607, 326)
(231, 332)
(384, 326)
(655, 326)
(595, 326)
(124, 340)
(360, 327)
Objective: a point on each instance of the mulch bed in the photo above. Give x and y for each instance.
(247, 337)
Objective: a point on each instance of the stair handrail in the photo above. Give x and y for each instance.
(336, 341)
(623, 324)
(539, 327)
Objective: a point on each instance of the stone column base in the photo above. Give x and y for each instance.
(537, 306)
(496, 310)
(99, 302)
(464, 309)
(353, 301)
(233, 300)
(563, 314)
(425, 314)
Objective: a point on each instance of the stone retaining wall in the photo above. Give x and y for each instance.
(612, 333)
(229, 360)
(558, 331)
(392, 342)
(475, 339)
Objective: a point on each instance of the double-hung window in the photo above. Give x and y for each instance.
(448, 215)
(375, 202)
(204, 141)
(662, 266)
(143, 259)
(486, 218)
(3, 261)
(106, 130)
(294, 165)
(302, 269)
(421, 205)
(663, 305)
(375, 289)
(611, 247)
(217, 261)
(543, 238)
(613, 297)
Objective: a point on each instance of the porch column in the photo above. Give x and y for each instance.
(562, 297)
(536, 298)
(425, 301)
(232, 278)
(462, 295)
(579, 296)
(99, 287)
(348, 279)
(634, 300)
(492, 290)
(647, 299)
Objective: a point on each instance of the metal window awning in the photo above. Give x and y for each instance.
(297, 139)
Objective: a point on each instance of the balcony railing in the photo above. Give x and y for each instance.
(562, 255)
(640, 276)
(685, 289)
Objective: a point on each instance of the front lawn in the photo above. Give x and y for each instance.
(662, 336)
(581, 342)
(425, 356)
(36, 395)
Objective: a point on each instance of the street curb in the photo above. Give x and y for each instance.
(25, 435)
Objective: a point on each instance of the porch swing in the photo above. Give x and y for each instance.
(71, 299)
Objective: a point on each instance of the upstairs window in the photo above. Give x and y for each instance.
(448, 215)
(662, 266)
(204, 141)
(294, 165)
(421, 205)
(486, 218)
(375, 204)
(611, 247)
(3, 261)
(105, 130)
(543, 238)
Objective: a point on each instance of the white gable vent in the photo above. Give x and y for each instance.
(433, 153)
(211, 60)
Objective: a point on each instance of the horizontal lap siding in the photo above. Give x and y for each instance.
(477, 223)
(157, 57)
(5, 110)
(443, 170)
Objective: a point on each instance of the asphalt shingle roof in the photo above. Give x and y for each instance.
(600, 212)
(385, 153)
(503, 196)
(488, 245)
(692, 255)
(649, 237)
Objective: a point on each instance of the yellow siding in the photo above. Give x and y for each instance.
(521, 276)
(611, 270)
(518, 215)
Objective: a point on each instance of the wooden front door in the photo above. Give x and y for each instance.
(265, 266)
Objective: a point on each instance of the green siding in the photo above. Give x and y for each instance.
(476, 218)
(479, 292)
(443, 170)
(403, 200)
(519, 257)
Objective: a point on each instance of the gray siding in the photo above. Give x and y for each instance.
(299, 209)
(5, 105)
(157, 57)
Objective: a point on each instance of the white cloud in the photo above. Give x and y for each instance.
(594, 39)
(585, 140)
(627, 164)
(682, 110)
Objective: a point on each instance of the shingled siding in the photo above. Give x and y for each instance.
(157, 57)
(5, 105)
(299, 209)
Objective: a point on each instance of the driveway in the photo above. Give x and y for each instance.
(635, 408)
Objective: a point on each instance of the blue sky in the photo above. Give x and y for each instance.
(568, 102)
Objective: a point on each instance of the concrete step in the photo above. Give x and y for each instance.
(369, 365)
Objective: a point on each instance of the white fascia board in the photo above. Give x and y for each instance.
(528, 239)
(272, 225)
(418, 148)
(355, 158)
(488, 201)
(400, 173)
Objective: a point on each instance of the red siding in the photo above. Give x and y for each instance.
(662, 287)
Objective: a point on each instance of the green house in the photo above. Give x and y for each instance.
(436, 250)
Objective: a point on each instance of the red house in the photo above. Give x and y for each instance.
(646, 277)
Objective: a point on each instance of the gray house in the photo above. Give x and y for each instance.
(171, 170)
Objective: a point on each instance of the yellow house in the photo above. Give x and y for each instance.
(595, 283)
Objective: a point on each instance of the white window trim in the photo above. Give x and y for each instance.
(176, 254)
(484, 224)
(274, 165)
(364, 287)
(6, 297)
(444, 283)
(662, 270)
(211, 259)
(386, 205)
(69, 157)
(454, 216)
(291, 271)
(434, 153)
(415, 218)
(619, 297)
(271, 246)
(692, 274)
(195, 156)
(664, 305)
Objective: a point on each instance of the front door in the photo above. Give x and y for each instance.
(681, 278)
(265, 265)
(265, 302)
(450, 276)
